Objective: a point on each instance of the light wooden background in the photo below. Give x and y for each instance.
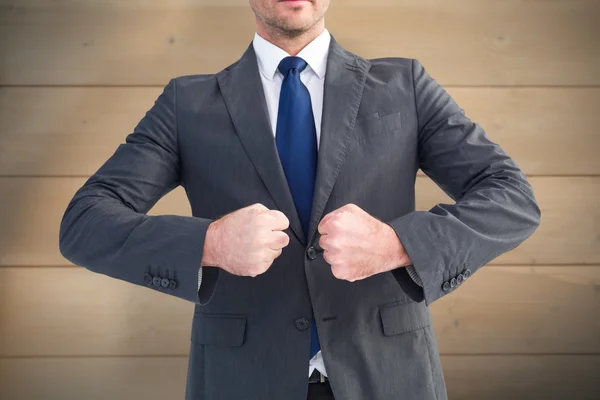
(76, 76)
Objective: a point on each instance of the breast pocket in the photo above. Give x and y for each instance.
(377, 124)
(219, 329)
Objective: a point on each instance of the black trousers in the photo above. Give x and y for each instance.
(319, 391)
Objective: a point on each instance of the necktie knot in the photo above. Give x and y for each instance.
(289, 63)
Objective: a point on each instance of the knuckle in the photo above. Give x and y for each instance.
(335, 259)
(323, 241)
(261, 216)
(277, 214)
(337, 222)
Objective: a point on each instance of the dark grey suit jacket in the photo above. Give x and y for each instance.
(383, 119)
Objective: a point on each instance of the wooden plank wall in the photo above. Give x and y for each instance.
(76, 76)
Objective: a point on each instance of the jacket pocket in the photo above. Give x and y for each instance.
(219, 329)
(404, 316)
(376, 124)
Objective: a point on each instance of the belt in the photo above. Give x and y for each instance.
(317, 377)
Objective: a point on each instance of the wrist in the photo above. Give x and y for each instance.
(397, 256)
(209, 257)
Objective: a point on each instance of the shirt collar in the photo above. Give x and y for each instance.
(269, 55)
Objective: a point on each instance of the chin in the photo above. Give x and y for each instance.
(293, 30)
(295, 23)
(295, 26)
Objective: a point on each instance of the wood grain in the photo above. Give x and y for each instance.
(515, 42)
(499, 310)
(516, 377)
(467, 378)
(116, 378)
(547, 131)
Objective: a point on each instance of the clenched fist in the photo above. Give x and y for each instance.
(358, 245)
(245, 242)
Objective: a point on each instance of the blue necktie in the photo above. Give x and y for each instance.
(296, 139)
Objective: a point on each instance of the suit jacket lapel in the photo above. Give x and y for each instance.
(244, 97)
(243, 93)
(344, 83)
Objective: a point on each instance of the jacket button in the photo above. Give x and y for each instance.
(453, 282)
(467, 273)
(164, 282)
(301, 324)
(148, 279)
(156, 281)
(460, 278)
(446, 286)
(311, 253)
(172, 284)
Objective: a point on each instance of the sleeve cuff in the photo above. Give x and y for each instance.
(412, 272)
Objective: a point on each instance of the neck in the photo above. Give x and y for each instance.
(290, 42)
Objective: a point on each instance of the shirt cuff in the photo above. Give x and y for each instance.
(199, 277)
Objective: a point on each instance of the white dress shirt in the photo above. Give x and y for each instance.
(315, 54)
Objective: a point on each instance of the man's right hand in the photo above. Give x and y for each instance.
(246, 241)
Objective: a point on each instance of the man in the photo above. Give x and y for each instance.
(304, 251)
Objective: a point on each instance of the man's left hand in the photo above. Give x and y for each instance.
(358, 245)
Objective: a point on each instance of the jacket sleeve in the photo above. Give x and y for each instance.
(105, 227)
(495, 208)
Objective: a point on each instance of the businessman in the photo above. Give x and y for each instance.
(310, 270)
